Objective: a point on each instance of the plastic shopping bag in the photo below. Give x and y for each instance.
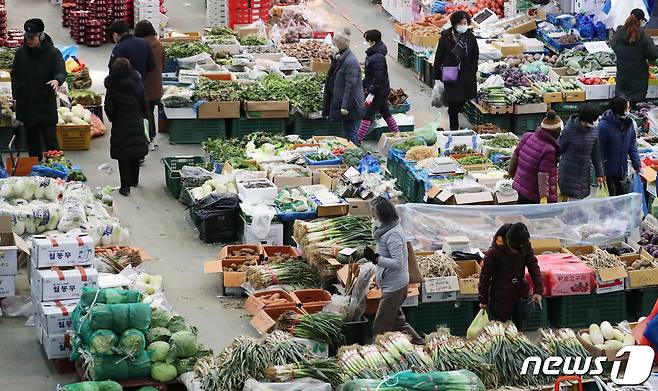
(437, 94)
(602, 192)
(639, 188)
(478, 324)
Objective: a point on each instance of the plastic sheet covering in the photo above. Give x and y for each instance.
(107, 296)
(408, 381)
(593, 221)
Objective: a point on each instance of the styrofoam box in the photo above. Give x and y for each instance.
(8, 261)
(7, 286)
(54, 317)
(62, 250)
(48, 284)
(180, 113)
(55, 346)
(652, 91)
(274, 237)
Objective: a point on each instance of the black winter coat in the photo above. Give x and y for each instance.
(632, 66)
(375, 78)
(137, 51)
(343, 88)
(125, 106)
(36, 102)
(466, 87)
(579, 150)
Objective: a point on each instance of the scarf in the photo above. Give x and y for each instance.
(378, 232)
(460, 51)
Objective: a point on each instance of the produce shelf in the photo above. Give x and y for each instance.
(581, 311)
(244, 126)
(172, 165)
(457, 315)
(476, 116)
(195, 131)
(307, 128)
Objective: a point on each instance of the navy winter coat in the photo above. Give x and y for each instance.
(618, 142)
(579, 150)
(32, 69)
(375, 79)
(137, 51)
(343, 88)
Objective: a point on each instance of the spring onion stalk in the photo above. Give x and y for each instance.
(320, 327)
(401, 348)
(562, 343)
(299, 274)
(323, 369)
(354, 364)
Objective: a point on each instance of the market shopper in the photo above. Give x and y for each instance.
(392, 270)
(456, 64)
(633, 47)
(579, 150)
(126, 108)
(534, 163)
(136, 50)
(144, 29)
(343, 93)
(37, 72)
(502, 290)
(376, 84)
(618, 143)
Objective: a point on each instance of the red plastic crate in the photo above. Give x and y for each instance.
(322, 34)
(238, 4)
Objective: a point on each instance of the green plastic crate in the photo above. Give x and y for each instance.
(640, 302)
(405, 55)
(307, 128)
(538, 319)
(566, 109)
(427, 317)
(522, 123)
(581, 311)
(244, 126)
(172, 165)
(412, 188)
(477, 117)
(418, 65)
(195, 131)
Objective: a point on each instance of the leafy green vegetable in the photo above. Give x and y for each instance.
(408, 144)
(183, 344)
(352, 157)
(158, 334)
(102, 342)
(320, 156)
(85, 97)
(132, 342)
(160, 317)
(163, 372)
(253, 40)
(217, 90)
(7, 58)
(502, 142)
(473, 159)
(158, 350)
(186, 49)
(178, 323)
(221, 32)
(305, 93)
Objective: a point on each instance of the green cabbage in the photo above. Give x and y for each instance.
(160, 317)
(132, 342)
(102, 342)
(148, 388)
(163, 372)
(158, 350)
(177, 323)
(106, 385)
(183, 344)
(158, 334)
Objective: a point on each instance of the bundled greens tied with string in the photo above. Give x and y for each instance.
(298, 274)
(321, 327)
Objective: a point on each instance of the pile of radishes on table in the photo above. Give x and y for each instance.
(607, 337)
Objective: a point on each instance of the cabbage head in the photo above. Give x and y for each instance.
(177, 323)
(158, 351)
(161, 371)
(148, 388)
(160, 317)
(103, 342)
(132, 342)
(158, 334)
(183, 344)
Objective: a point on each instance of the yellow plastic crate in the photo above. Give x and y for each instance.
(74, 137)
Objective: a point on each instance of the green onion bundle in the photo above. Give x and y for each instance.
(320, 327)
(298, 274)
(323, 369)
(355, 365)
(401, 349)
(283, 350)
(562, 343)
(524, 349)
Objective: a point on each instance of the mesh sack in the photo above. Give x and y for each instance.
(132, 342)
(119, 367)
(107, 385)
(115, 317)
(102, 342)
(107, 296)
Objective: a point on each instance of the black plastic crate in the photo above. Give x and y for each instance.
(214, 229)
(522, 123)
(538, 319)
(640, 302)
(195, 131)
(244, 126)
(405, 55)
(427, 317)
(581, 311)
(476, 116)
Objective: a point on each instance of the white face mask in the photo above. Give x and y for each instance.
(461, 28)
(335, 50)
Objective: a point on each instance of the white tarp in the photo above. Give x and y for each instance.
(592, 221)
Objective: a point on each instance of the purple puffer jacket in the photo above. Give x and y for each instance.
(536, 152)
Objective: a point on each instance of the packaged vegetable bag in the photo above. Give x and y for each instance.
(478, 324)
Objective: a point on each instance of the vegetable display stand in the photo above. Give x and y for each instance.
(522, 123)
(195, 131)
(74, 137)
(537, 320)
(478, 115)
(405, 55)
(307, 128)
(640, 302)
(581, 311)
(457, 315)
(244, 126)
(173, 165)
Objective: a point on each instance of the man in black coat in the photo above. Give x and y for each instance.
(37, 72)
(136, 50)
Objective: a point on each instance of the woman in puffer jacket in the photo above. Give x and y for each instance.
(534, 163)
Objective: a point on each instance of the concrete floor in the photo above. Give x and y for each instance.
(157, 222)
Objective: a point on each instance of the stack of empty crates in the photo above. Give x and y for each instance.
(216, 13)
(60, 267)
(148, 10)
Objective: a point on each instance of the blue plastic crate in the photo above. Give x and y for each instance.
(332, 162)
(289, 217)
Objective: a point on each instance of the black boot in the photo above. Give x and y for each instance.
(124, 191)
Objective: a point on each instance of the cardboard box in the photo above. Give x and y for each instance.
(321, 139)
(254, 305)
(524, 24)
(56, 346)
(468, 285)
(55, 316)
(359, 207)
(230, 279)
(227, 251)
(563, 273)
(594, 92)
(508, 48)
(267, 109)
(7, 286)
(574, 96)
(180, 113)
(331, 183)
(62, 284)
(317, 348)
(9, 247)
(291, 181)
(320, 66)
(428, 297)
(218, 110)
(175, 36)
(506, 198)
(274, 236)
(388, 140)
(266, 318)
(640, 278)
(481, 198)
(607, 280)
(273, 251)
(62, 250)
(530, 108)
(541, 246)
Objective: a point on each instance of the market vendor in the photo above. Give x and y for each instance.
(392, 274)
(634, 48)
(503, 291)
(38, 71)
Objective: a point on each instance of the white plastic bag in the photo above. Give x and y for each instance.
(437, 94)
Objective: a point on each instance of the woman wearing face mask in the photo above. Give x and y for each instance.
(502, 290)
(392, 275)
(456, 64)
(375, 84)
(633, 47)
(618, 143)
(343, 92)
(579, 150)
(534, 163)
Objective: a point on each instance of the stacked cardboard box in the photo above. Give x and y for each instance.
(8, 258)
(60, 267)
(216, 13)
(148, 10)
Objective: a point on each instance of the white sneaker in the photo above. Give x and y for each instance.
(151, 146)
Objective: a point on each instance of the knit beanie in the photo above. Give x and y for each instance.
(342, 38)
(551, 122)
